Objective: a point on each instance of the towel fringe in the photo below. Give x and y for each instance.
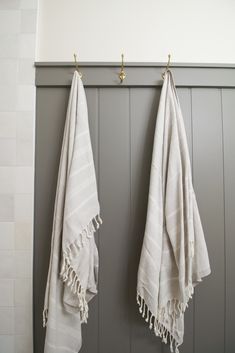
(175, 309)
(45, 317)
(69, 276)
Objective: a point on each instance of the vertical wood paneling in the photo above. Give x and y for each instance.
(91, 329)
(208, 183)
(51, 111)
(228, 101)
(122, 123)
(143, 112)
(186, 107)
(114, 149)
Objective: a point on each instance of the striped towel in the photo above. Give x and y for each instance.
(174, 256)
(73, 270)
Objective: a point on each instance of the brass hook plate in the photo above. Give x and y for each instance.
(122, 74)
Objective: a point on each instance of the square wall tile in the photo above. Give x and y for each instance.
(26, 97)
(6, 208)
(7, 236)
(28, 21)
(23, 208)
(8, 98)
(7, 344)
(7, 180)
(23, 264)
(8, 125)
(23, 236)
(26, 72)
(25, 150)
(9, 22)
(28, 4)
(23, 292)
(9, 4)
(23, 320)
(7, 264)
(24, 344)
(25, 125)
(6, 292)
(6, 321)
(27, 46)
(24, 180)
(9, 71)
(10, 45)
(7, 152)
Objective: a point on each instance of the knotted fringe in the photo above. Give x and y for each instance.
(45, 317)
(174, 309)
(69, 276)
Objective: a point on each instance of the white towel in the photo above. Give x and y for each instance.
(174, 256)
(73, 270)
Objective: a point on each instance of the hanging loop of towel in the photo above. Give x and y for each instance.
(76, 65)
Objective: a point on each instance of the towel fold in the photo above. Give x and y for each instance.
(174, 255)
(73, 270)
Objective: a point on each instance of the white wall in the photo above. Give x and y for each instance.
(17, 116)
(145, 30)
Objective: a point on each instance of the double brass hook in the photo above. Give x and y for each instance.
(122, 74)
(76, 65)
(167, 66)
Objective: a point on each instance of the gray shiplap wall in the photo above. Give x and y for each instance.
(122, 121)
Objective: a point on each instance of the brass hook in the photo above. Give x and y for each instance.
(122, 74)
(76, 65)
(167, 66)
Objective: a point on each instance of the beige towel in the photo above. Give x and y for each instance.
(73, 270)
(174, 256)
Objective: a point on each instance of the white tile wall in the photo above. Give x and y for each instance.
(9, 72)
(9, 4)
(26, 71)
(28, 20)
(7, 321)
(8, 125)
(7, 292)
(7, 344)
(17, 115)
(23, 236)
(9, 47)
(25, 97)
(7, 265)
(27, 46)
(23, 208)
(8, 97)
(7, 236)
(22, 292)
(7, 180)
(6, 208)
(10, 22)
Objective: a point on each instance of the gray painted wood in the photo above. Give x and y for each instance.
(92, 329)
(50, 109)
(208, 182)
(228, 100)
(122, 121)
(185, 98)
(114, 181)
(144, 103)
(136, 76)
